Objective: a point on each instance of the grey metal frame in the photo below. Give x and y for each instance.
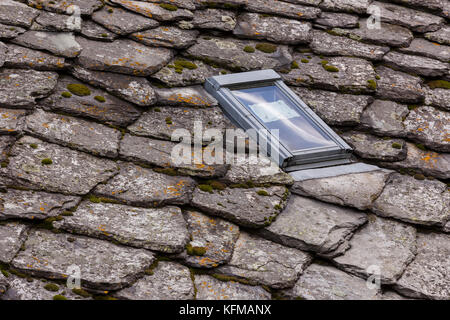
(220, 87)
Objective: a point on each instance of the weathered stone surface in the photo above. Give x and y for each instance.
(399, 86)
(5, 145)
(12, 235)
(3, 51)
(16, 13)
(441, 36)
(4, 285)
(214, 19)
(9, 32)
(243, 206)
(418, 65)
(122, 21)
(34, 204)
(21, 88)
(275, 29)
(166, 36)
(113, 110)
(428, 275)
(438, 98)
(194, 96)
(418, 202)
(323, 282)
(335, 108)
(428, 49)
(103, 265)
(162, 229)
(169, 281)
(385, 118)
(434, 5)
(185, 4)
(291, 10)
(215, 235)
(209, 288)
(94, 31)
(50, 21)
(58, 43)
(230, 53)
(352, 75)
(21, 57)
(62, 6)
(355, 190)
(122, 56)
(371, 147)
(221, 3)
(11, 120)
(312, 225)
(144, 187)
(429, 126)
(152, 10)
(337, 20)
(388, 244)
(357, 6)
(327, 44)
(264, 262)
(71, 172)
(74, 132)
(417, 21)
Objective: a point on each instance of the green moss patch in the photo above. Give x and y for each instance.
(330, 68)
(59, 297)
(439, 84)
(51, 287)
(169, 7)
(262, 193)
(266, 47)
(195, 251)
(100, 99)
(66, 94)
(249, 49)
(372, 84)
(79, 89)
(304, 60)
(216, 185)
(205, 188)
(33, 145)
(168, 171)
(47, 161)
(169, 120)
(396, 145)
(81, 293)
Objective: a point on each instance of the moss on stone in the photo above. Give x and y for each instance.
(5, 273)
(396, 145)
(262, 193)
(82, 293)
(223, 72)
(195, 251)
(245, 185)
(4, 164)
(225, 278)
(33, 145)
(79, 89)
(110, 10)
(66, 94)
(100, 99)
(330, 68)
(47, 161)
(304, 60)
(216, 185)
(266, 47)
(169, 7)
(372, 84)
(169, 120)
(104, 35)
(377, 77)
(419, 176)
(180, 64)
(168, 171)
(156, 109)
(421, 147)
(249, 49)
(205, 188)
(59, 297)
(18, 273)
(51, 287)
(94, 199)
(439, 84)
(412, 107)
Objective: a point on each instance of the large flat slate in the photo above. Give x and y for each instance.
(12, 236)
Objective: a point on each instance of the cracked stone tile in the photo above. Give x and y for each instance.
(230, 53)
(418, 65)
(11, 120)
(244, 207)
(430, 126)
(434, 5)
(417, 202)
(194, 96)
(25, 58)
(113, 111)
(441, 36)
(144, 187)
(327, 44)
(437, 98)
(87, 7)
(275, 29)
(350, 75)
(12, 236)
(154, 11)
(217, 19)
(337, 20)
(355, 6)
(34, 205)
(335, 108)
(355, 190)
(103, 265)
(264, 262)
(121, 21)
(428, 275)
(215, 235)
(312, 225)
(50, 21)
(94, 31)
(166, 36)
(169, 281)
(161, 229)
(371, 147)
(122, 56)
(58, 43)
(387, 244)
(9, 32)
(20, 88)
(73, 132)
(428, 49)
(71, 172)
(185, 4)
(17, 14)
(209, 288)
(324, 282)
(136, 90)
(6, 143)
(291, 10)
(399, 86)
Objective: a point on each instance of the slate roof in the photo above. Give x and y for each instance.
(86, 180)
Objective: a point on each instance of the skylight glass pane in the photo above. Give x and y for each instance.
(270, 105)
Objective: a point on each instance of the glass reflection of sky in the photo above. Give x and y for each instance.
(276, 111)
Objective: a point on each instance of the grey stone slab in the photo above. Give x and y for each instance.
(166, 36)
(17, 14)
(4, 285)
(11, 120)
(428, 49)
(12, 237)
(3, 51)
(154, 11)
(337, 20)
(291, 10)
(438, 98)
(358, 167)
(25, 58)
(6, 143)
(217, 19)
(185, 4)
(434, 5)
(9, 32)
(94, 31)
(399, 86)
(87, 7)
(356, 6)
(50, 21)
(193, 96)
(417, 65)
(441, 36)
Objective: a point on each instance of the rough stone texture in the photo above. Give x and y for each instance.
(21, 88)
(418, 202)
(387, 244)
(209, 288)
(428, 49)
(152, 10)
(418, 65)
(334, 108)
(230, 53)
(71, 172)
(282, 8)
(11, 120)
(399, 86)
(169, 281)
(194, 96)
(143, 187)
(16, 13)
(9, 32)
(6, 143)
(264, 262)
(4, 285)
(62, 6)
(170, 37)
(327, 44)
(73, 132)
(245, 207)
(50, 21)
(21, 57)
(216, 235)
(34, 204)
(428, 275)
(113, 111)
(429, 126)
(357, 6)
(355, 190)
(103, 265)
(122, 56)
(337, 20)
(280, 30)
(441, 36)
(94, 31)
(12, 236)
(214, 19)
(3, 51)
(162, 229)
(438, 98)
(311, 225)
